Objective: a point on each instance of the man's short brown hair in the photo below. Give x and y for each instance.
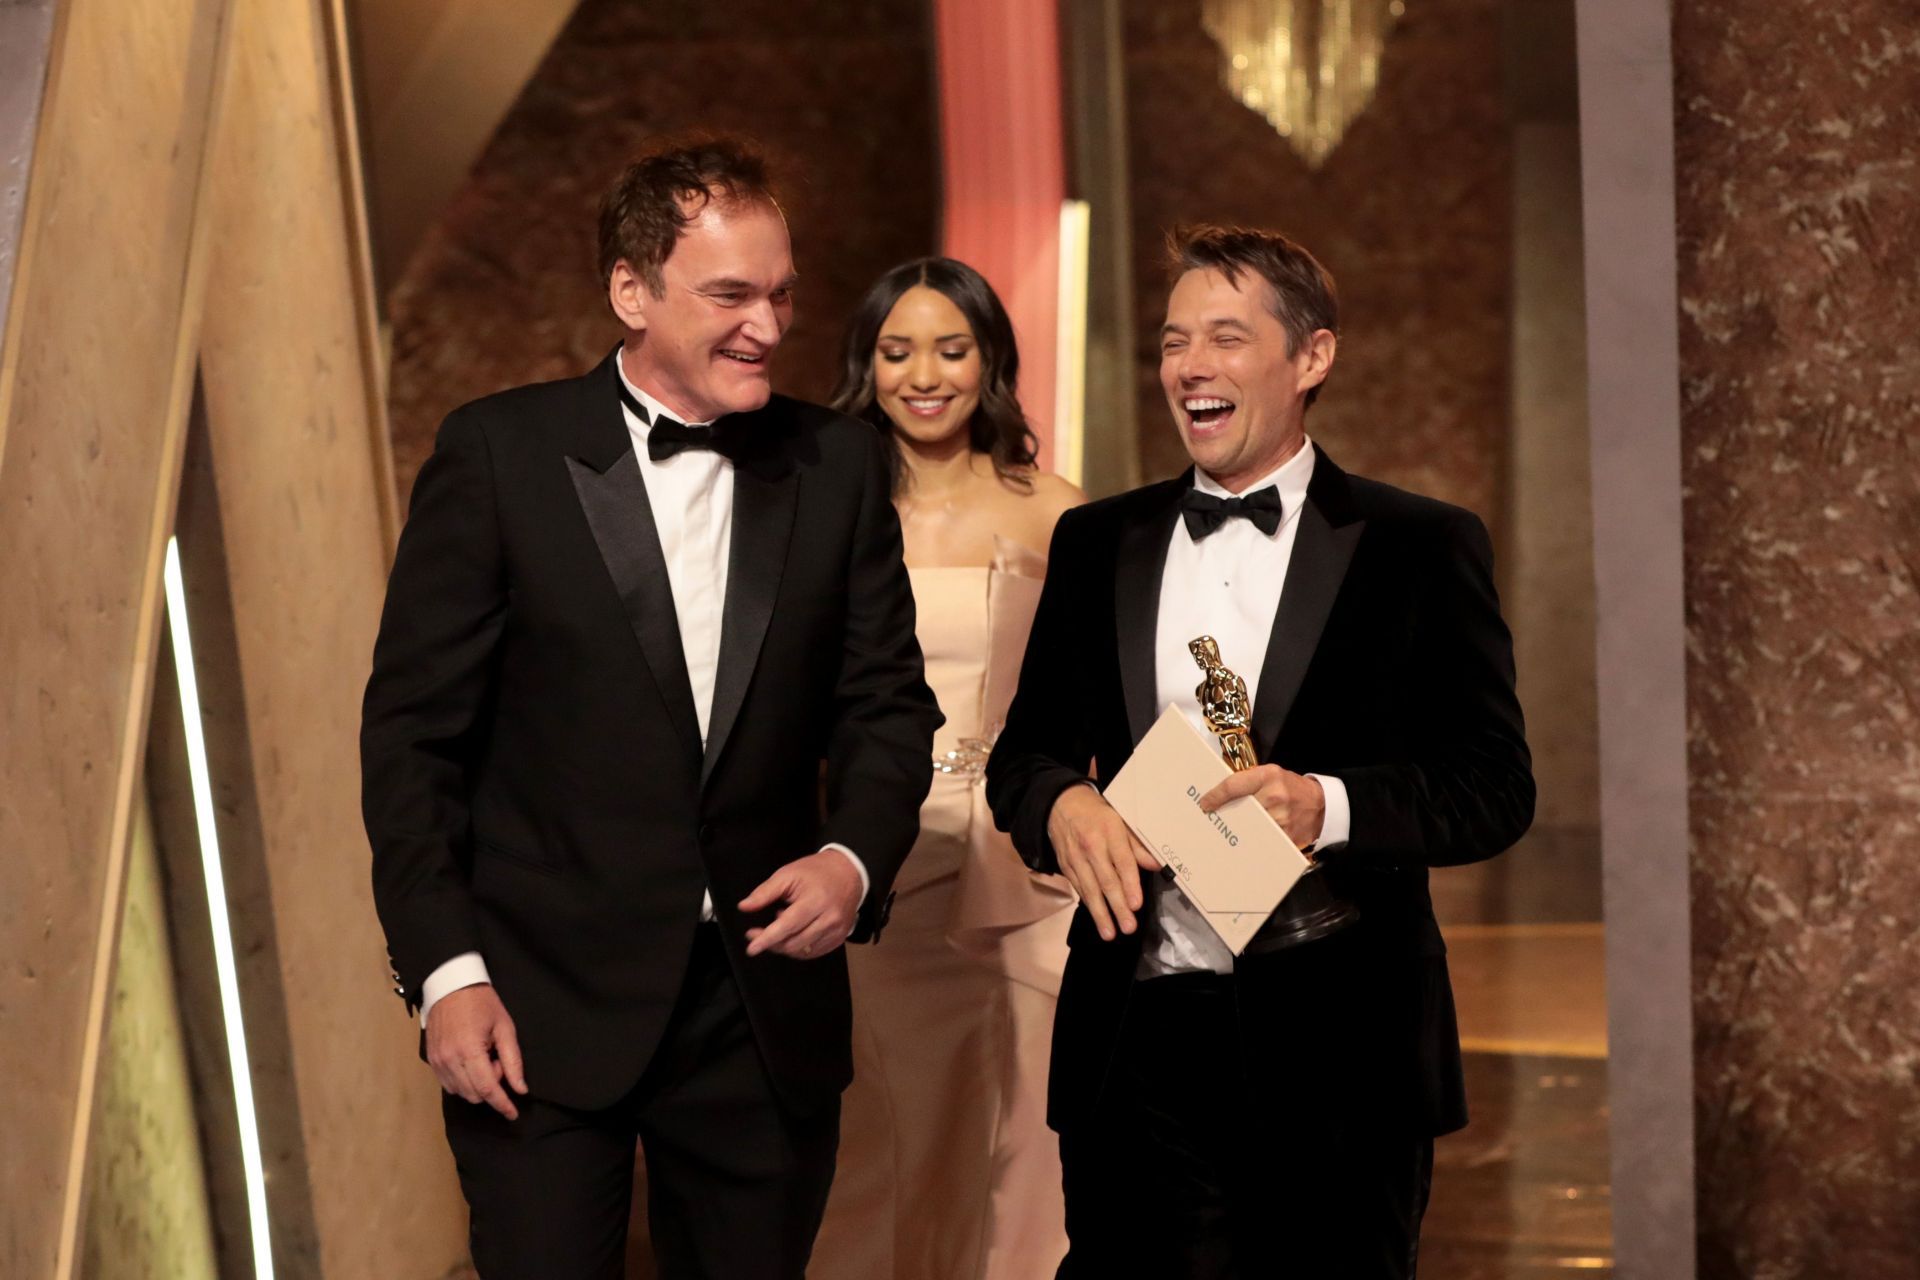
(1301, 292)
(659, 194)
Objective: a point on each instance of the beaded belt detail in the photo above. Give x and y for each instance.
(969, 759)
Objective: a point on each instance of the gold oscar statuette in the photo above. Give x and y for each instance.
(1224, 703)
(1311, 910)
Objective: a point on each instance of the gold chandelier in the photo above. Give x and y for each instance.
(1308, 66)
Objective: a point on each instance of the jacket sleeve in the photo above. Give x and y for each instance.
(1466, 791)
(880, 750)
(1045, 748)
(425, 702)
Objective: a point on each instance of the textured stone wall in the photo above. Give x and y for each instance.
(1411, 213)
(1799, 224)
(503, 290)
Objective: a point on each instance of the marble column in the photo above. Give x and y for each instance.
(1798, 208)
(1633, 379)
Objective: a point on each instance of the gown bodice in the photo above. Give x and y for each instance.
(972, 624)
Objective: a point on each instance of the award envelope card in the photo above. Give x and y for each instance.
(1235, 864)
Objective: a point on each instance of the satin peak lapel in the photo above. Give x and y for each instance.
(1321, 554)
(764, 498)
(615, 502)
(1140, 563)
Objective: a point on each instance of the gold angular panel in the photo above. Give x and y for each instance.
(192, 154)
(297, 460)
(94, 385)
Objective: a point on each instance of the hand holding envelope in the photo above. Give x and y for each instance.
(1235, 864)
(1100, 857)
(1296, 801)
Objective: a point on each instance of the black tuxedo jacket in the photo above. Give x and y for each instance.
(534, 786)
(1389, 667)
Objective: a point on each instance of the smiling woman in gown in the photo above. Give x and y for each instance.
(947, 1170)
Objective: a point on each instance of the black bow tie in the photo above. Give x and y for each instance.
(665, 437)
(1205, 513)
(668, 437)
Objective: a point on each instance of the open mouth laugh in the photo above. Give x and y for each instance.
(1207, 414)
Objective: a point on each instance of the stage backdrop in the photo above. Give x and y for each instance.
(1412, 213)
(503, 289)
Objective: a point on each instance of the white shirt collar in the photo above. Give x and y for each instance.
(1290, 478)
(653, 407)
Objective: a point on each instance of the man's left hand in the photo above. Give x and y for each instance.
(1293, 800)
(822, 893)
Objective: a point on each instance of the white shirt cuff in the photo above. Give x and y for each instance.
(465, 970)
(1336, 825)
(866, 882)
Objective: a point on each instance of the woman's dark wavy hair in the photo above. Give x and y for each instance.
(998, 428)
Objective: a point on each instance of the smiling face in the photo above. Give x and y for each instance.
(701, 348)
(927, 367)
(1238, 397)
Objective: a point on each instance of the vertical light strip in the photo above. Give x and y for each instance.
(1070, 346)
(252, 1165)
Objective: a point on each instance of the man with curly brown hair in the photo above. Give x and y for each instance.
(631, 616)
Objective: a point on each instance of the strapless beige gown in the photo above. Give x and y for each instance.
(947, 1170)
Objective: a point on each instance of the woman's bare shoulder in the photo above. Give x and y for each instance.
(1055, 494)
(1039, 503)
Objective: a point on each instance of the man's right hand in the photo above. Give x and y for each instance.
(472, 1047)
(1099, 856)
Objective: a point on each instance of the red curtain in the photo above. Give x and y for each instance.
(1001, 133)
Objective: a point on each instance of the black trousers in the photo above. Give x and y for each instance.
(736, 1184)
(1211, 1160)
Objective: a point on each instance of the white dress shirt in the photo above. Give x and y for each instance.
(1226, 586)
(691, 494)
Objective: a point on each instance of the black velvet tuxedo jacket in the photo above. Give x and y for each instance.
(534, 785)
(1389, 668)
